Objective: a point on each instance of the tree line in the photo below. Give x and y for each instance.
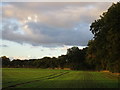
(102, 53)
(74, 59)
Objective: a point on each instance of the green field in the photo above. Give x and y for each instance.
(49, 78)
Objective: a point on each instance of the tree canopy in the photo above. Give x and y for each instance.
(104, 49)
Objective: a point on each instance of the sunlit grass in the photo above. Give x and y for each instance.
(49, 78)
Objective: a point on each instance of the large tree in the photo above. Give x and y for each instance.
(104, 49)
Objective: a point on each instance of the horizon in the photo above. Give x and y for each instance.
(35, 30)
(28, 57)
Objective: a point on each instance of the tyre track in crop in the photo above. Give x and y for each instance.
(110, 76)
(43, 78)
(102, 80)
(34, 80)
(91, 82)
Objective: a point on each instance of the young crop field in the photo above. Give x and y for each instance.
(49, 78)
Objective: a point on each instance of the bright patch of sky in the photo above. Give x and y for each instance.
(25, 51)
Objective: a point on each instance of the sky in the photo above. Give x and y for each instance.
(38, 29)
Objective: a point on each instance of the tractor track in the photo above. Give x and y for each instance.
(44, 78)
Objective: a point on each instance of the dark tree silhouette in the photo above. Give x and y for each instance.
(104, 49)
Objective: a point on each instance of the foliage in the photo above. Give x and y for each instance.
(5, 61)
(104, 49)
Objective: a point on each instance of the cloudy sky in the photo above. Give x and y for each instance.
(38, 29)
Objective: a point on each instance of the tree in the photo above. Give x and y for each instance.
(76, 58)
(5, 61)
(104, 49)
(62, 61)
(73, 55)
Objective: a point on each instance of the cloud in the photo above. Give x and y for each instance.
(37, 34)
(3, 45)
(50, 24)
(55, 14)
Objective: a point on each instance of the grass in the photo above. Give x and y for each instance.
(48, 78)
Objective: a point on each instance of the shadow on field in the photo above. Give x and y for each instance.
(51, 83)
(77, 84)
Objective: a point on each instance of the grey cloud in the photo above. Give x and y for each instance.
(56, 22)
(55, 35)
(3, 45)
(64, 15)
(13, 34)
